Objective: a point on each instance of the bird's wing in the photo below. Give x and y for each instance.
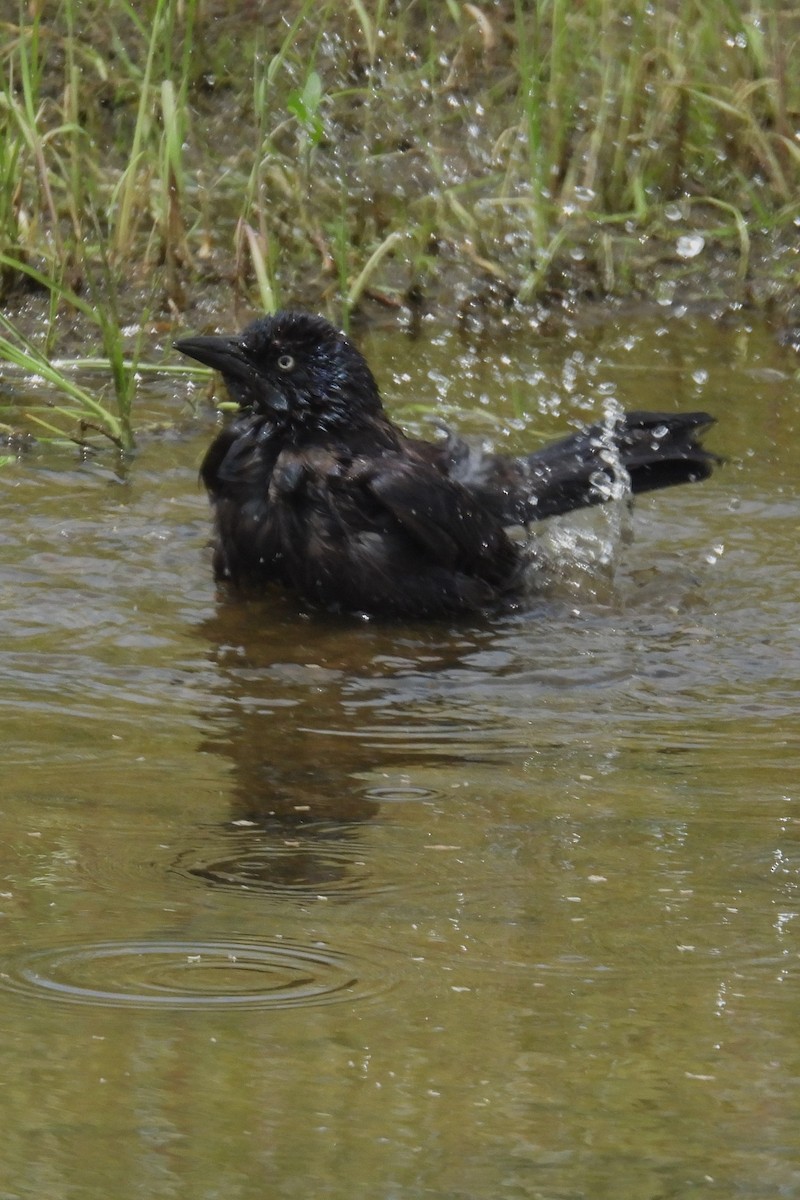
(446, 521)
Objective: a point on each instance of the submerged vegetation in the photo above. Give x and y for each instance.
(207, 156)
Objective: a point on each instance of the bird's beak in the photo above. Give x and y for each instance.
(224, 354)
(244, 380)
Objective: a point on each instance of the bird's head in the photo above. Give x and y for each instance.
(296, 369)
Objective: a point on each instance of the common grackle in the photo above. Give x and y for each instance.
(313, 487)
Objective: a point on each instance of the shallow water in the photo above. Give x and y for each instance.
(295, 905)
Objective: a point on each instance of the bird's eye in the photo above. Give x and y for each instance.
(285, 362)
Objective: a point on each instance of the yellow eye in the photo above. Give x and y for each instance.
(285, 362)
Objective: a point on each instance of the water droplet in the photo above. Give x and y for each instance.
(689, 245)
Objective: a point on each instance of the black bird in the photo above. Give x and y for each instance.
(313, 487)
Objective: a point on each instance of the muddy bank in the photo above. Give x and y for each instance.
(409, 165)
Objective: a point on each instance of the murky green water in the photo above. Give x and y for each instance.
(294, 906)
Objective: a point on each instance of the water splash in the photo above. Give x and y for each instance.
(578, 556)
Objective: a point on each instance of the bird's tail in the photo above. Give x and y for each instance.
(636, 452)
(640, 452)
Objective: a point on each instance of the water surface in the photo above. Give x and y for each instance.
(297, 905)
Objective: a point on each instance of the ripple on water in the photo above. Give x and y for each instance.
(299, 868)
(183, 975)
(402, 794)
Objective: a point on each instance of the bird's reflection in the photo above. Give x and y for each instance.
(305, 773)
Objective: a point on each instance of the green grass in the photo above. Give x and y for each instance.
(337, 155)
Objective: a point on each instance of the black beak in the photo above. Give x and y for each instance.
(224, 354)
(244, 381)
